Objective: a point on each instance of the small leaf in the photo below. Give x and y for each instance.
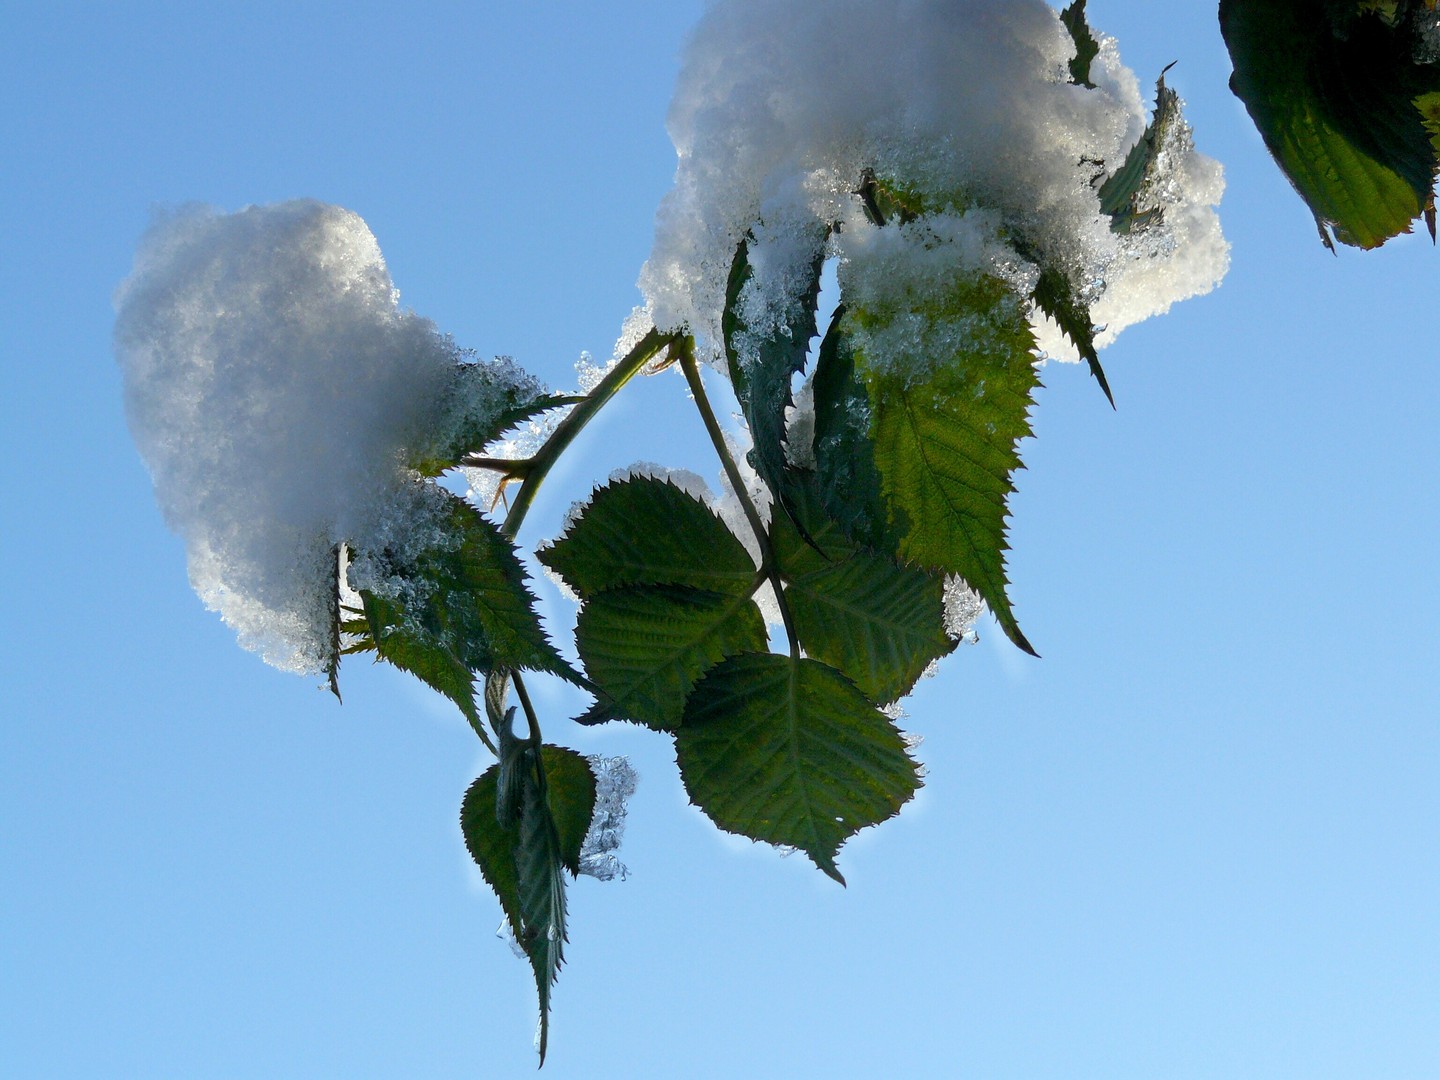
(426, 656)
(1086, 47)
(522, 862)
(788, 751)
(1054, 296)
(472, 612)
(644, 531)
(487, 398)
(1125, 193)
(646, 647)
(761, 370)
(879, 623)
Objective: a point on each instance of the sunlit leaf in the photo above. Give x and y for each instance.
(1338, 96)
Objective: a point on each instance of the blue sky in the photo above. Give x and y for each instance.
(1197, 839)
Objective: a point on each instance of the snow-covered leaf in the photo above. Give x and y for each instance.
(1124, 193)
(762, 364)
(470, 610)
(946, 442)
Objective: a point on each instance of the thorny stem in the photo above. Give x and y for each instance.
(510, 466)
(770, 565)
(535, 469)
(532, 471)
(530, 716)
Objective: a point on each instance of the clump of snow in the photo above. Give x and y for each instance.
(615, 780)
(275, 389)
(784, 107)
(963, 608)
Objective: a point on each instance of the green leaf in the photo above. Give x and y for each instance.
(426, 656)
(849, 482)
(471, 611)
(337, 623)
(1086, 47)
(522, 861)
(1125, 194)
(644, 531)
(788, 751)
(1339, 99)
(879, 623)
(761, 370)
(945, 440)
(1054, 296)
(645, 647)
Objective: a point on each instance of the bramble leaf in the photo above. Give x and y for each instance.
(522, 862)
(428, 657)
(879, 623)
(1125, 194)
(510, 402)
(945, 439)
(471, 611)
(644, 531)
(1086, 47)
(788, 751)
(1054, 296)
(848, 480)
(761, 369)
(646, 647)
(1341, 101)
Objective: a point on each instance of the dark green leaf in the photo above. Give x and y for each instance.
(471, 612)
(879, 623)
(1086, 47)
(646, 647)
(644, 531)
(849, 482)
(1054, 296)
(788, 751)
(337, 623)
(523, 861)
(1340, 102)
(426, 656)
(761, 369)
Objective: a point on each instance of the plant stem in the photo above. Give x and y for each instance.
(533, 470)
(531, 718)
(537, 467)
(770, 565)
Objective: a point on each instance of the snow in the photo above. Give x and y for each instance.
(783, 106)
(615, 780)
(275, 389)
